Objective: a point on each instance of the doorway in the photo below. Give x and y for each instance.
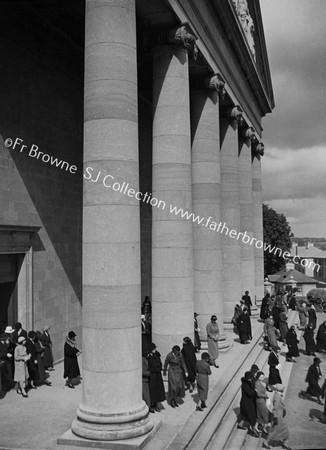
(10, 265)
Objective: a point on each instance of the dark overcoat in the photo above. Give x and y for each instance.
(156, 385)
(189, 355)
(176, 369)
(292, 343)
(321, 337)
(70, 364)
(308, 336)
(32, 366)
(248, 402)
(203, 371)
(48, 355)
(244, 327)
(312, 379)
(274, 374)
(312, 318)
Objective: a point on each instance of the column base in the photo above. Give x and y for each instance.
(112, 427)
(137, 443)
(254, 311)
(223, 344)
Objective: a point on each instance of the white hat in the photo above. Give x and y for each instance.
(9, 329)
(21, 339)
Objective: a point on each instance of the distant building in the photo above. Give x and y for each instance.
(310, 260)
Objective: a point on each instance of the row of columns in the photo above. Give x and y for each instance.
(192, 264)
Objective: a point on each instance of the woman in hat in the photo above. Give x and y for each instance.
(197, 342)
(203, 371)
(279, 430)
(274, 373)
(248, 404)
(244, 326)
(21, 358)
(156, 385)
(71, 367)
(308, 336)
(270, 332)
(292, 343)
(312, 378)
(189, 355)
(47, 343)
(262, 411)
(176, 368)
(312, 316)
(283, 323)
(213, 333)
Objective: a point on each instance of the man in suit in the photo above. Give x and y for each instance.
(19, 331)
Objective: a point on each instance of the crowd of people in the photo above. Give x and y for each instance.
(26, 359)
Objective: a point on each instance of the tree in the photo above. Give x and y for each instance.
(277, 233)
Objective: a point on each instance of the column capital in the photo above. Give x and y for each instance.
(181, 35)
(248, 132)
(235, 113)
(216, 83)
(258, 149)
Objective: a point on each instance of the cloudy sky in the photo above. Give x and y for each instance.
(294, 165)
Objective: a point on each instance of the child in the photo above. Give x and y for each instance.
(203, 370)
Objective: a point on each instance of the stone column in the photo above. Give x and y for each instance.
(231, 248)
(172, 245)
(247, 135)
(112, 407)
(206, 195)
(258, 151)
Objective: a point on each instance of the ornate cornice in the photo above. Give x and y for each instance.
(183, 36)
(215, 83)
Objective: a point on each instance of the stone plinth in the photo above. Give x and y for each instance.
(112, 407)
(172, 246)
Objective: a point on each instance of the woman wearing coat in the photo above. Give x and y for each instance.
(279, 430)
(213, 333)
(21, 373)
(264, 308)
(321, 337)
(283, 324)
(270, 331)
(292, 343)
(312, 378)
(244, 326)
(308, 336)
(248, 412)
(189, 355)
(274, 374)
(312, 317)
(176, 369)
(71, 367)
(47, 344)
(156, 385)
(303, 315)
(203, 371)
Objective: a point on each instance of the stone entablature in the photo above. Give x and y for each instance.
(247, 23)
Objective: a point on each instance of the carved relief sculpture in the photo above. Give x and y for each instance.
(242, 10)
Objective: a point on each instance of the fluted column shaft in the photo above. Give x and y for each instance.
(231, 247)
(246, 219)
(112, 406)
(206, 191)
(258, 226)
(172, 241)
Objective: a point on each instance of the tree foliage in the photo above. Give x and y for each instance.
(277, 233)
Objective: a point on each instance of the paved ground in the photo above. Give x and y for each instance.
(36, 422)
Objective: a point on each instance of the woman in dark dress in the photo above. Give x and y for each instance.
(71, 367)
(321, 337)
(264, 308)
(244, 326)
(156, 385)
(189, 355)
(203, 371)
(292, 343)
(274, 374)
(47, 343)
(308, 336)
(312, 378)
(248, 411)
(312, 317)
(40, 352)
(176, 370)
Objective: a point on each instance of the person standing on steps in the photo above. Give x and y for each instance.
(176, 367)
(203, 371)
(312, 378)
(279, 430)
(247, 301)
(197, 342)
(213, 333)
(71, 352)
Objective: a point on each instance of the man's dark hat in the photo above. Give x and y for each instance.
(213, 317)
(317, 360)
(152, 346)
(71, 334)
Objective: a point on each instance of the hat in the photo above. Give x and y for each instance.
(258, 374)
(254, 368)
(176, 347)
(18, 326)
(213, 317)
(9, 329)
(317, 360)
(3, 336)
(195, 314)
(242, 301)
(205, 355)
(46, 328)
(31, 334)
(247, 292)
(152, 346)
(186, 339)
(21, 339)
(71, 334)
(142, 316)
